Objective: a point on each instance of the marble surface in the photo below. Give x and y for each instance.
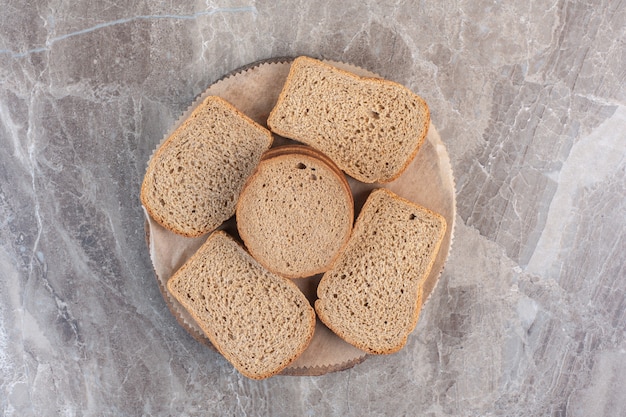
(529, 317)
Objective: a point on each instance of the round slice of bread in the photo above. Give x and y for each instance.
(194, 179)
(296, 212)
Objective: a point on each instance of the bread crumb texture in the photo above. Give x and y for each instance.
(260, 322)
(193, 182)
(371, 128)
(295, 214)
(371, 296)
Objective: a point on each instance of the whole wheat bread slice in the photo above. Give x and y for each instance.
(295, 212)
(371, 128)
(194, 179)
(258, 321)
(372, 296)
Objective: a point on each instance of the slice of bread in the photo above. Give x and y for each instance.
(371, 128)
(371, 296)
(258, 321)
(295, 212)
(194, 179)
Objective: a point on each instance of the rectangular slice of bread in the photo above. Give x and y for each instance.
(371, 295)
(194, 179)
(258, 321)
(371, 128)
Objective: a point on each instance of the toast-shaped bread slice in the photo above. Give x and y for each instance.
(371, 128)
(194, 179)
(258, 321)
(296, 212)
(371, 297)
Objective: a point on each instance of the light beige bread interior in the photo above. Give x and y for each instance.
(258, 321)
(371, 128)
(194, 179)
(372, 296)
(296, 212)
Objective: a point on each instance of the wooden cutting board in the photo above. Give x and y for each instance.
(428, 181)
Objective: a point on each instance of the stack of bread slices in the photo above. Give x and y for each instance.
(294, 212)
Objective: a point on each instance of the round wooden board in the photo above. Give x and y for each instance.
(428, 181)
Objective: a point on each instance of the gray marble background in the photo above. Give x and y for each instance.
(529, 317)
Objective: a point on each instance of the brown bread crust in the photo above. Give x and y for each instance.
(370, 127)
(296, 212)
(258, 321)
(371, 297)
(193, 180)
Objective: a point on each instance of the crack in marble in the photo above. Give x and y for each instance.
(193, 16)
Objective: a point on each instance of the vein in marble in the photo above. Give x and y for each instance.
(25, 154)
(193, 16)
(592, 160)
